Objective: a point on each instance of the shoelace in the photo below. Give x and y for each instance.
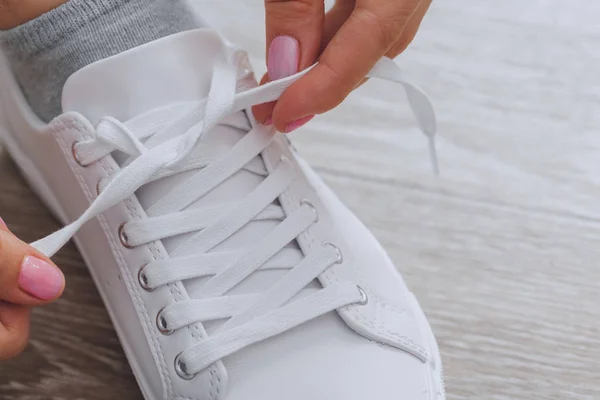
(166, 151)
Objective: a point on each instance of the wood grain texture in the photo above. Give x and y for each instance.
(503, 250)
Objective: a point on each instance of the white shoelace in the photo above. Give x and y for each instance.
(167, 150)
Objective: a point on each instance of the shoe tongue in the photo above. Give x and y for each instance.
(170, 70)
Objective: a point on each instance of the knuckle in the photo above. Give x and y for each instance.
(337, 80)
(385, 29)
(331, 71)
(285, 12)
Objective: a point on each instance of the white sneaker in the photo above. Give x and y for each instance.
(229, 269)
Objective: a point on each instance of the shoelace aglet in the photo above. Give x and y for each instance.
(433, 155)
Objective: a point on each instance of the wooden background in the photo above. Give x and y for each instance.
(503, 250)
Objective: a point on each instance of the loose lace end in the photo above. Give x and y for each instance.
(433, 155)
(419, 102)
(50, 245)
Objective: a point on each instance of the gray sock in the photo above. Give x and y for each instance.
(44, 52)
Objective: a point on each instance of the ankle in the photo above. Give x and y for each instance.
(16, 12)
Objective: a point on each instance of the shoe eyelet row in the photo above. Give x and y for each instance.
(305, 202)
(162, 325)
(123, 237)
(143, 280)
(76, 157)
(340, 258)
(81, 164)
(181, 369)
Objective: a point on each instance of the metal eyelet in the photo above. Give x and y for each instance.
(312, 206)
(161, 324)
(123, 237)
(75, 157)
(143, 280)
(364, 298)
(340, 258)
(181, 369)
(98, 190)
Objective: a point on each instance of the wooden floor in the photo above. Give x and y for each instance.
(503, 250)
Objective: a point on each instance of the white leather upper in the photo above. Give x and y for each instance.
(381, 350)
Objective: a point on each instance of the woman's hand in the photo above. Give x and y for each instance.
(348, 41)
(27, 279)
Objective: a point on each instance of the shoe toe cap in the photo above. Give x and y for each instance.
(325, 360)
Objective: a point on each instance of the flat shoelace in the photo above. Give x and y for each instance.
(159, 145)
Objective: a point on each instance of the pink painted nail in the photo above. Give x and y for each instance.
(268, 122)
(297, 123)
(40, 279)
(284, 55)
(3, 224)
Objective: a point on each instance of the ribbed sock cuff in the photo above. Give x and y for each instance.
(45, 51)
(48, 29)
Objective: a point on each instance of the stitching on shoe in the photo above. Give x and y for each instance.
(404, 340)
(218, 383)
(210, 393)
(214, 394)
(67, 126)
(423, 327)
(177, 296)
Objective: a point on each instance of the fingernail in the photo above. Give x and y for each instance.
(40, 279)
(284, 54)
(268, 121)
(297, 123)
(3, 224)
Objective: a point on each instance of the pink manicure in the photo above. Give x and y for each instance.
(40, 279)
(297, 123)
(284, 55)
(3, 224)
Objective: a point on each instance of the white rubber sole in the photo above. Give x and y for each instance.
(39, 186)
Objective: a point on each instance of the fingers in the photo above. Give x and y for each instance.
(372, 28)
(14, 329)
(410, 30)
(294, 31)
(335, 18)
(27, 277)
(408, 34)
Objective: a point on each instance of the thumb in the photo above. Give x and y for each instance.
(294, 34)
(27, 277)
